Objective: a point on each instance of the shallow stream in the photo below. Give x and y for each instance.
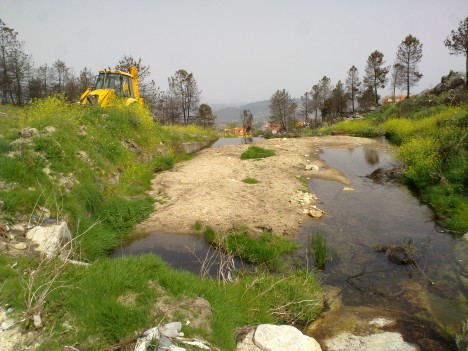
(375, 214)
(354, 224)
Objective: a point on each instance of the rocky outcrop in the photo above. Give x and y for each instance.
(267, 337)
(454, 81)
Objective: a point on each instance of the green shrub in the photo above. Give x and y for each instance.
(256, 152)
(121, 215)
(250, 181)
(265, 249)
(163, 163)
(422, 160)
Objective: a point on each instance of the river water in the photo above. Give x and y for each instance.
(375, 214)
(355, 223)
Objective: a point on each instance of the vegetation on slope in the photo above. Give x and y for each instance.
(432, 136)
(92, 167)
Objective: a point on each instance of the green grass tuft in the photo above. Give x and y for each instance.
(317, 243)
(251, 181)
(256, 152)
(265, 249)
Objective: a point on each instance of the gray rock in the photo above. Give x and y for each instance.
(18, 229)
(20, 144)
(28, 132)
(314, 168)
(132, 145)
(170, 333)
(462, 336)
(164, 343)
(50, 129)
(267, 337)
(7, 324)
(37, 320)
(20, 246)
(388, 341)
(174, 325)
(382, 322)
(50, 239)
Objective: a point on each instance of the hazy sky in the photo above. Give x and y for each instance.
(239, 51)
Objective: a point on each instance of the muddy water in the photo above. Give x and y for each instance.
(183, 251)
(356, 222)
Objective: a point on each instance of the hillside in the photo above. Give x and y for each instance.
(259, 109)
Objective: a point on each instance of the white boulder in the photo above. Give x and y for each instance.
(50, 239)
(267, 337)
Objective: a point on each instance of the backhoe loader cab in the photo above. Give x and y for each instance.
(112, 83)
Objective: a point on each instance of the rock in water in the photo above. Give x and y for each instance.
(388, 341)
(267, 337)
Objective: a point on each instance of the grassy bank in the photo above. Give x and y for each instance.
(92, 167)
(433, 143)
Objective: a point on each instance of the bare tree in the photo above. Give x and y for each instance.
(397, 78)
(315, 101)
(353, 84)
(305, 109)
(324, 92)
(282, 108)
(85, 79)
(184, 88)
(146, 85)
(457, 43)
(7, 39)
(247, 120)
(409, 54)
(15, 67)
(376, 73)
(338, 100)
(60, 73)
(44, 74)
(20, 67)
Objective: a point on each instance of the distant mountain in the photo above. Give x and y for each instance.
(259, 110)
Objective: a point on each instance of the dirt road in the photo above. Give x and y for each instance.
(209, 187)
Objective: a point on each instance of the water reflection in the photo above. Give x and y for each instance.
(356, 222)
(371, 155)
(183, 251)
(236, 141)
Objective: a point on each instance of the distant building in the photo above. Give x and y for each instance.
(389, 99)
(239, 131)
(272, 127)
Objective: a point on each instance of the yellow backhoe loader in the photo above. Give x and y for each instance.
(112, 83)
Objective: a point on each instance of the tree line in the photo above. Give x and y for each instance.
(340, 100)
(21, 81)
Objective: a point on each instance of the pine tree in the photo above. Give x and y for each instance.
(376, 73)
(409, 54)
(457, 43)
